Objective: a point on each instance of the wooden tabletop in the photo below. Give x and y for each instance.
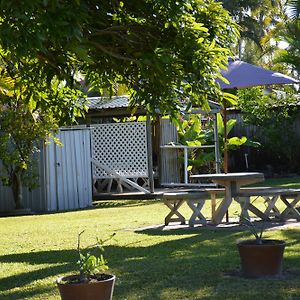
(230, 176)
(233, 180)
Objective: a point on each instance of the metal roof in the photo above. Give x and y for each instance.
(117, 102)
(99, 103)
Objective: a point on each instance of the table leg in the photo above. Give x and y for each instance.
(271, 201)
(244, 203)
(213, 198)
(196, 206)
(258, 213)
(223, 207)
(174, 205)
(290, 208)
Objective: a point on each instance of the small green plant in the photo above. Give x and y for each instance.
(91, 264)
(255, 230)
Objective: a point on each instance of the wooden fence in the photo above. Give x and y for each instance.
(241, 129)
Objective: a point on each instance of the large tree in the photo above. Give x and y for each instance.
(166, 52)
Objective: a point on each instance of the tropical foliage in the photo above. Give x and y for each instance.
(256, 19)
(194, 132)
(269, 32)
(273, 117)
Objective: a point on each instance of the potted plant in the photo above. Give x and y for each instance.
(260, 257)
(91, 282)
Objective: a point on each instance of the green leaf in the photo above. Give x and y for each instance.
(232, 99)
(236, 141)
(199, 27)
(230, 124)
(194, 143)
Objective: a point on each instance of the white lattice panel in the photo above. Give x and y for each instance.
(122, 147)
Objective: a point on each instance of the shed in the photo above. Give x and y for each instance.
(64, 175)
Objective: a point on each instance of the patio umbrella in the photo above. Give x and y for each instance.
(242, 75)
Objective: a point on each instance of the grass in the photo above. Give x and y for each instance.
(149, 264)
(289, 182)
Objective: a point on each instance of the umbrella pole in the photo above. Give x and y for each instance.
(225, 146)
(225, 137)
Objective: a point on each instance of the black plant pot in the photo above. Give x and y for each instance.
(261, 260)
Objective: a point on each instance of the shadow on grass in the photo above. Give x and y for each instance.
(29, 293)
(123, 203)
(174, 229)
(23, 279)
(182, 266)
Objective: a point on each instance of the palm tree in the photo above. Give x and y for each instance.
(256, 19)
(289, 32)
(293, 9)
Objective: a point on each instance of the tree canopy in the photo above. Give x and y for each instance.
(165, 51)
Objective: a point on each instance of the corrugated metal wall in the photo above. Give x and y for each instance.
(34, 199)
(170, 165)
(65, 176)
(69, 171)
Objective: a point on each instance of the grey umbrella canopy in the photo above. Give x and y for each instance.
(242, 75)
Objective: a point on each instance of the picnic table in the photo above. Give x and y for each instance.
(232, 183)
(233, 189)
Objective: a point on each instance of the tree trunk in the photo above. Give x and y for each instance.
(16, 185)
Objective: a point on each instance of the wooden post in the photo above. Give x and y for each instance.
(225, 146)
(225, 137)
(149, 151)
(185, 171)
(217, 146)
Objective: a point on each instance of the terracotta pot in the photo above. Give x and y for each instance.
(95, 290)
(261, 260)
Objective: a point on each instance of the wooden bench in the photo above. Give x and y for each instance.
(195, 199)
(290, 197)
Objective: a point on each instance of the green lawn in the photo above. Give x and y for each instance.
(289, 182)
(149, 264)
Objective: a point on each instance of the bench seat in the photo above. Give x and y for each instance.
(289, 196)
(195, 199)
